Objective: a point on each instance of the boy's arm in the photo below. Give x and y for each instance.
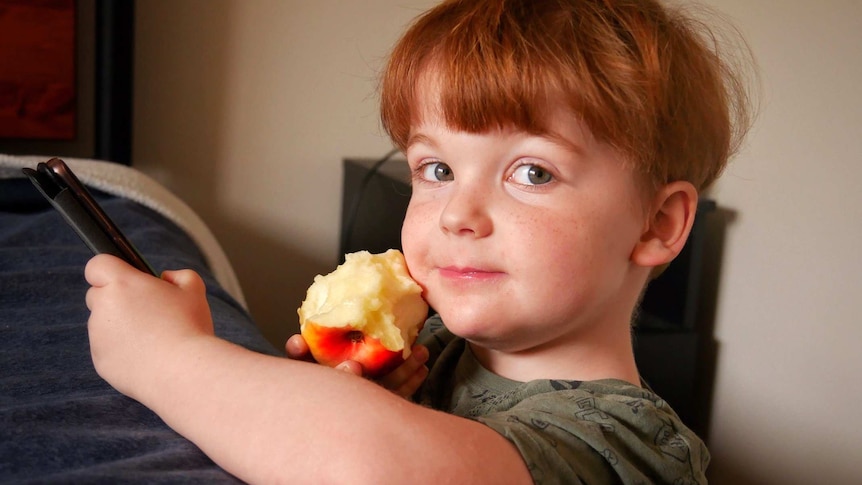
(269, 419)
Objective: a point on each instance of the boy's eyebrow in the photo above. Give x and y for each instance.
(419, 138)
(564, 142)
(551, 136)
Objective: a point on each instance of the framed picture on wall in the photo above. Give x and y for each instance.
(66, 78)
(37, 70)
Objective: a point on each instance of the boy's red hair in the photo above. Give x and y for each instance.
(646, 79)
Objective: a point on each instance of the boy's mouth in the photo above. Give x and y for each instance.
(468, 273)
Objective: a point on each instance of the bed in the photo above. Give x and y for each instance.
(59, 421)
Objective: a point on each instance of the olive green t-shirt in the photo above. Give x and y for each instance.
(572, 432)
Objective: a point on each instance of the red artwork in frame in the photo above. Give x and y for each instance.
(37, 69)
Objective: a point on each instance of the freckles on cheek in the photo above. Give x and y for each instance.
(415, 239)
(419, 220)
(562, 244)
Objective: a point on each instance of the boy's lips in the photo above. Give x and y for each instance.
(468, 273)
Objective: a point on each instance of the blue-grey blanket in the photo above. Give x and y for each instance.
(59, 421)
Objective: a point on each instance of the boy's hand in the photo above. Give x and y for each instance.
(403, 381)
(406, 378)
(138, 321)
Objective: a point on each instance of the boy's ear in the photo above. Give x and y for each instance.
(669, 222)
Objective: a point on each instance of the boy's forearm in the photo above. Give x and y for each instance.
(241, 409)
(265, 419)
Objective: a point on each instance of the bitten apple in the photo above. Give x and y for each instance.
(369, 310)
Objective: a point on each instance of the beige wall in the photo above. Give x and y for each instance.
(245, 108)
(787, 384)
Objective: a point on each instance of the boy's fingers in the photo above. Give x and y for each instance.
(419, 353)
(413, 382)
(102, 268)
(297, 348)
(90, 297)
(396, 379)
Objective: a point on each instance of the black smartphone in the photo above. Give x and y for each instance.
(57, 183)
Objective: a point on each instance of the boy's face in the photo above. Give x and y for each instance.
(520, 240)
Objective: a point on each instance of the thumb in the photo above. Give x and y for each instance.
(351, 367)
(185, 279)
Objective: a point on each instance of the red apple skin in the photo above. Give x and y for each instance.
(331, 346)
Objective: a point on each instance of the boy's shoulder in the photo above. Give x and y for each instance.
(602, 430)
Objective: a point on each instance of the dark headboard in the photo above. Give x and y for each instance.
(103, 61)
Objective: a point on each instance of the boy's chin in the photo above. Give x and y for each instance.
(475, 327)
(461, 324)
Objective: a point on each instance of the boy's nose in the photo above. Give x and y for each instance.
(466, 213)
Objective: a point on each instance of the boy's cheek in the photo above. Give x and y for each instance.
(410, 247)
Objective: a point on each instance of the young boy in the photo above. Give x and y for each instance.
(557, 150)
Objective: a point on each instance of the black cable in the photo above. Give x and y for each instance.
(350, 218)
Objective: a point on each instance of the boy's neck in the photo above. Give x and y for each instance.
(603, 353)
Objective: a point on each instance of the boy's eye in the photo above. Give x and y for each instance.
(437, 171)
(531, 175)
